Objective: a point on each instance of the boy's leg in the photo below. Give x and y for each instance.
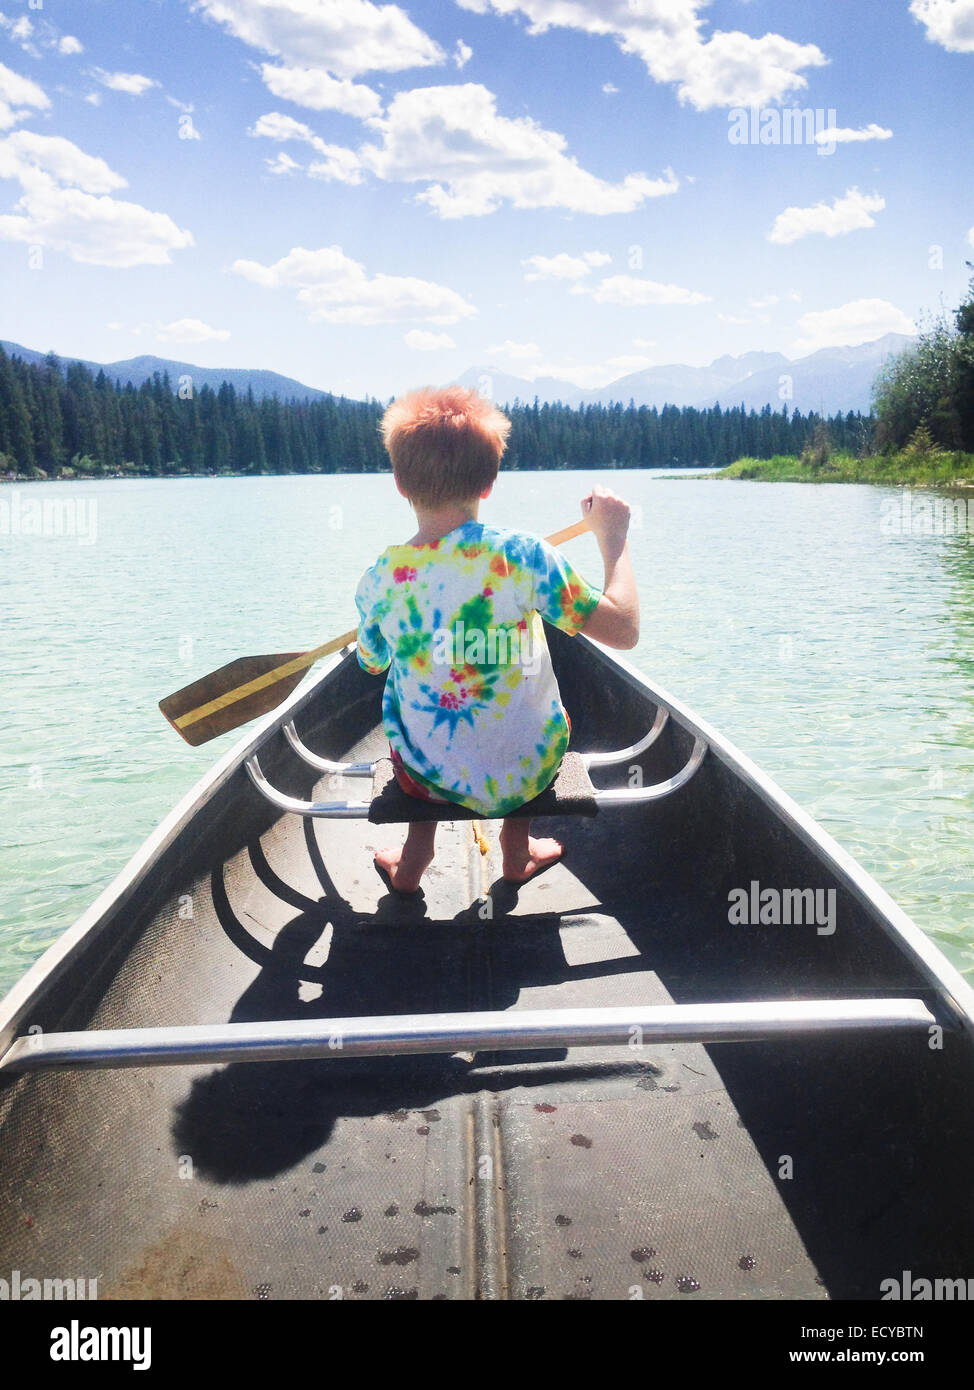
(524, 856)
(406, 866)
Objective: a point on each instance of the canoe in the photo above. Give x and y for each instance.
(705, 1056)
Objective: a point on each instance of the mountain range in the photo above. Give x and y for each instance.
(830, 381)
(138, 370)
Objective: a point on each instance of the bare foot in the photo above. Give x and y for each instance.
(405, 871)
(525, 859)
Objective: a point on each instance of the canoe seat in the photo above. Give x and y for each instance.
(570, 794)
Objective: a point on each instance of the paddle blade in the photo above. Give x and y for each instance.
(226, 699)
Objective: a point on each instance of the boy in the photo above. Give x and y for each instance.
(471, 707)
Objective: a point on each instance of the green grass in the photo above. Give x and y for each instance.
(906, 468)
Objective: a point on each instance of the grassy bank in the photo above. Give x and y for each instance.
(908, 468)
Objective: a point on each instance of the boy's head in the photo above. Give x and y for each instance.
(445, 444)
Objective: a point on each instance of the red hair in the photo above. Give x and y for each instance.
(445, 444)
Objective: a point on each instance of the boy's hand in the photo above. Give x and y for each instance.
(616, 619)
(608, 518)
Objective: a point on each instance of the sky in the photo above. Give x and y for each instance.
(369, 197)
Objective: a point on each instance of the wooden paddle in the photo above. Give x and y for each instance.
(254, 685)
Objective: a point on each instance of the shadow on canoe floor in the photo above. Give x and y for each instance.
(255, 1120)
(856, 1122)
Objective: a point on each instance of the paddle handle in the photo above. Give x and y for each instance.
(568, 533)
(325, 649)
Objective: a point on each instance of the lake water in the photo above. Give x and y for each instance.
(841, 659)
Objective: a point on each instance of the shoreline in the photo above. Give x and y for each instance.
(780, 469)
(709, 470)
(22, 478)
(952, 471)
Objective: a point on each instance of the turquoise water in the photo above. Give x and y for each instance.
(839, 658)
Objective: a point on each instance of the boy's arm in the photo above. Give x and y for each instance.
(615, 620)
(373, 652)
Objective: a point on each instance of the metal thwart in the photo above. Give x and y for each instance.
(516, 1030)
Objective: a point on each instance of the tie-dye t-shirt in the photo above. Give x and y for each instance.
(471, 703)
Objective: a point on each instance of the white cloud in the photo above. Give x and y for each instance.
(319, 91)
(462, 54)
(93, 98)
(947, 22)
(850, 213)
(726, 69)
(20, 31)
(766, 302)
(422, 340)
(473, 159)
(274, 125)
(25, 153)
(609, 88)
(337, 165)
(645, 342)
(93, 231)
(564, 266)
(631, 293)
(838, 135)
(732, 69)
(343, 37)
(33, 37)
(860, 321)
(336, 162)
(337, 289)
(18, 97)
(516, 352)
(64, 206)
(191, 331)
(282, 163)
(970, 236)
(733, 318)
(134, 84)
